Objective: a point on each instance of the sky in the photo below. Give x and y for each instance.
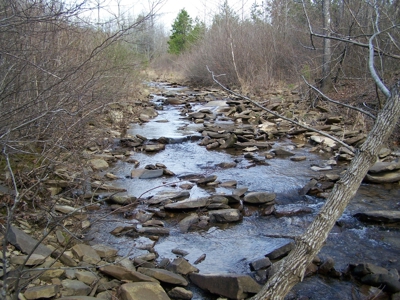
(203, 9)
(169, 9)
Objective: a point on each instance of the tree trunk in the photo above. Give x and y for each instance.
(290, 271)
(326, 82)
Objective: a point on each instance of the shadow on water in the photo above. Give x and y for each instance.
(231, 247)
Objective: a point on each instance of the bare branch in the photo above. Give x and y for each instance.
(337, 102)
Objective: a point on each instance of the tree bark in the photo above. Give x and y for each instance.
(291, 270)
(326, 82)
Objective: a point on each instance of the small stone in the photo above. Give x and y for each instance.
(86, 277)
(74, 288)
(259, 264)
(180, 293)
(43, 291)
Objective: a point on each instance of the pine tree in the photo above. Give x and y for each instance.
(181, 29)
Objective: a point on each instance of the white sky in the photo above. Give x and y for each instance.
(203, 9)
(169, 9)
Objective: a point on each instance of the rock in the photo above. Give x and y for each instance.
(138, 262)
(122, 273)
(181, 266)
(386, 177)
(164, 276)
(86, 253)
(98, 164)
(32, 260)
(382, 216)
(282, 152)
(49, 275)
(333, 120)
(179, 252)
(229, 142)
(105, 251)
(25, 243)
(146, 174)
(225, 215)
(180, 293)
(144, 118)
(267, 127)
(123, 200)
(327, 266)
(150, 111)
(154, 148)
(318, 169)
(259, 264)
(323, 140)
(185, 224)
(381, 166)
(188, 204)
(386, 281)
(207, 179)
(232, 286)
(290, 210)
(298, 158)
(153, 231)
(168, 195)
(367, 268)
(74, 288)
(312, 183)
(200, 259)
(84, 297)
(43, 291)
(142, 291)
(66, 209)
(281, 251)
(260, 198)
(86, 277)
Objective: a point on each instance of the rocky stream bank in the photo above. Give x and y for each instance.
(202, 195)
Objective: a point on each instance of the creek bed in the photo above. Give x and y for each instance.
(231, 247)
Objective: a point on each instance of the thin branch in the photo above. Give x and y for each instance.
(337, 102)
(280, 116)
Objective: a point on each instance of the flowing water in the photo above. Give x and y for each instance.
(231, 247)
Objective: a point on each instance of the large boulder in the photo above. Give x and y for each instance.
(232, 286)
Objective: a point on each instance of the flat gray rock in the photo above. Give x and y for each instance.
(260, 198)
(188, 204)
(25, 242)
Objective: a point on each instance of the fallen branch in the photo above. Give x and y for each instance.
(280, 116)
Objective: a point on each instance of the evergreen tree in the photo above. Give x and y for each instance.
(181, 29)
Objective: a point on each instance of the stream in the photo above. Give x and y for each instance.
(230, 247)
